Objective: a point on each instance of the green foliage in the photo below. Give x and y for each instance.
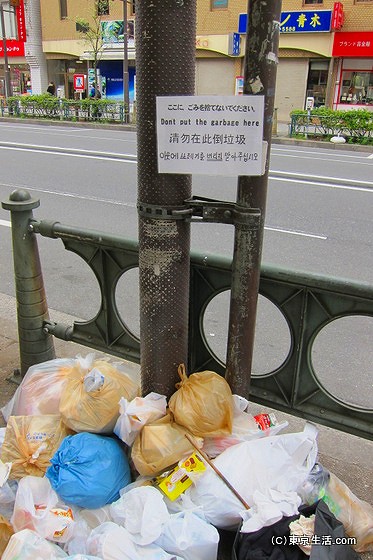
(356, 125)
(48, 106)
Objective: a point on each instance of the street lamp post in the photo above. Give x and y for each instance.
(8, 85)
(126, 98)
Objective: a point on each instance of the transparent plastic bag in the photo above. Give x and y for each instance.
(40, 389)
(134, 415)
(356, 515)
(28, 545)
(38, 507)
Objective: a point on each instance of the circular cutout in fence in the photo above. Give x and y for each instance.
(71, 286)
(342, 358)
(127, 300)
(272, 334)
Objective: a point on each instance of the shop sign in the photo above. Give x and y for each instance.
(338, 16)
(20, 15)
(313, 21)
(211, 135)
(353, 43)
(16, 47)
(113, 32)
(13, 48)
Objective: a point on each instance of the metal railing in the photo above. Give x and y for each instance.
(67, 110)
(307, 303)
(323, 126)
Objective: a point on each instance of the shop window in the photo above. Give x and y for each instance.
(63, 9)
(219, 5)
(317, 80)
(9, 21)
(103, 7)
(356, 88)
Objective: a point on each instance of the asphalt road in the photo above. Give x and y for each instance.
(319, 216)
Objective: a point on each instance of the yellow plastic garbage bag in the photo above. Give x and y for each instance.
(203, 403)
(30, 442)
(160, 445)
(356, 515)
(91, 394)
(6, 531)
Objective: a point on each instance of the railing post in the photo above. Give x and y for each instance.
(35, 345)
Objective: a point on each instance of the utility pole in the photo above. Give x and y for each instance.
(8, 85)
(126, 97)
(165, 57)
(261, 59)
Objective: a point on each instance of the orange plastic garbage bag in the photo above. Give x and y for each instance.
(91, 394)
(203, 403)
(30, 442)
(160, 445)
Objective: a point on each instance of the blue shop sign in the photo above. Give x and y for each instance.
(308, 21)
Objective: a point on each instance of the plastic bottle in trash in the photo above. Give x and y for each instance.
(315, 485)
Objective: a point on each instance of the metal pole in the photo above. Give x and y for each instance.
(165, 53)
(126, 98)
(8, 85)
(261, 59)
(35, 345)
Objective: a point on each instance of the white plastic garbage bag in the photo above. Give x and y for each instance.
(38, 507)
(280, 463)
(142, 512)
(28, 545)
(82, 557)
(111, 542)
(189, 536)
(7, 498)
(138, 412)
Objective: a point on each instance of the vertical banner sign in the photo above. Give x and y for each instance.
(210, 135)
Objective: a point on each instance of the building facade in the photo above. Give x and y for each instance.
(325, 50)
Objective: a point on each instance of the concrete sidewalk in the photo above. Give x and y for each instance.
(348, 457)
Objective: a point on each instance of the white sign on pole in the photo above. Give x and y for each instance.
(210, 135)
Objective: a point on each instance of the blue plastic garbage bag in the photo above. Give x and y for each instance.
(88, 470)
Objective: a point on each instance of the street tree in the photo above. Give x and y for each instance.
(91, 30)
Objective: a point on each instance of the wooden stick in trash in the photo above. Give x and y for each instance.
(220, 474)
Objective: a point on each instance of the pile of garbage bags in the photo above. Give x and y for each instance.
(91, 470)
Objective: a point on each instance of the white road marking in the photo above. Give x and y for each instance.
(320, 184)
(5, 223)
(111, 156)
(332, 155)
(293, 232)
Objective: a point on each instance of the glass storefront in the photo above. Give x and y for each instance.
(317, 80)
(356, 87)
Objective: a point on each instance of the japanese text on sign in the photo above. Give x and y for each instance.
(205, 135)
